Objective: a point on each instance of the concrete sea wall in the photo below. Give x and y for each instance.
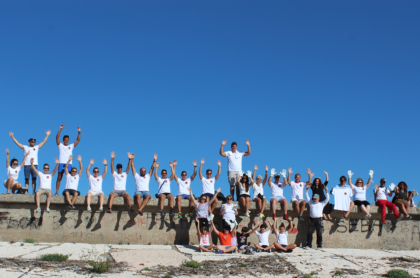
(18, 221)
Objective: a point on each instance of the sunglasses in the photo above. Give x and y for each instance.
(73, 171)
(96, 171)
(14, 164)
(183, 174)
(359, 182)
(45, 168)
(142, 171)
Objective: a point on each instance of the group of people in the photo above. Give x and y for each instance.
(319, 206)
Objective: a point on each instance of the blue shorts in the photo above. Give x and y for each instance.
(30, 172)
(209, 195)
(142, 194)
(184, 196)
(61, 167)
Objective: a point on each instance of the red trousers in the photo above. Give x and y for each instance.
(383, 204)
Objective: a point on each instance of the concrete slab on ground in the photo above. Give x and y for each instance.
(13, 250)
(358, 252)
(77, 251)
(142, 247)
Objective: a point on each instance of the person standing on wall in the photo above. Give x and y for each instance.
(29, 173)
(65, 150)
(234, 158)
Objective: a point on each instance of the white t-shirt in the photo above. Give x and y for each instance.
(165, 185)
(142, 183)
(33, 154)
(359, 193)
(95, 183)
(72, 182)
(282, 238)
(242, 189)
(208, 185)
(65, 152)
(277, 189)
(13, 172)
(263, 237)
(183, 185)
(120, 180)
(342, 198)
(44, 180)
(257, 189)
(297, 189)
(382, 193)
(230, 211)
(234, 160)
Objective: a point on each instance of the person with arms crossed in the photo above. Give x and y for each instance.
(298, 200)
(258, 191)
(208, 185)
(164, 191)
(315, 217)
(142, 184)
(183, 184)
(72, 182)
(381, 193)
(34, 154)
(13, 170)
(234, 158)
(342, 195)
(45, 180)
(120, 182)
(359, 192)
(65, 150)
(277, 192)
(95, 185)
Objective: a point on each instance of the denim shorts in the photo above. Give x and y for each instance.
(30, 172)
(142, 194)
(184, 196)
(61, 167)
(209, 195)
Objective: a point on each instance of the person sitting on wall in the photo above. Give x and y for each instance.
(258, 191)
(164, 191)
(342, 194)
(402, 198)
(381, 193)
(13, 170)
(142, 184)
(298, 200)
(45, 179)
(120, 182)
(95, 184)
(72, 182)
(183, 184)
(359, 195)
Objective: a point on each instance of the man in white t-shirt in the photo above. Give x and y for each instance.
(95, 184)
(34, 154)
(142, 184)
(120, 182)
(208, 185)
(342, 197)
(72, 182)
(183, 184)
(13, 170)
(45, 180)
(65, 150)
(164, 191)
(298, 200)
(234, 158)
(277, 195)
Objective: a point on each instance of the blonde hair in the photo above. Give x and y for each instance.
(360, 179)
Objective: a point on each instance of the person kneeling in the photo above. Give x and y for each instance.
(281, 244)
(72, 182)
(225, 239)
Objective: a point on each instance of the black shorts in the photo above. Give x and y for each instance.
(204, 222)
(328, 208)
(359, 203)
(244, 196)
(166, 194)
(71, 192)
(264, 246)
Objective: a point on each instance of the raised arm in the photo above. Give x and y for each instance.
(222, 153)
(310, 176)
(198, 227)
(214, 196)
(218, 169)
(288, 177)
(370, 179)
(156, 170)
(7, 158)
(326, 178)
(272, 172)
(274, 226)
(249, 148)
(66, 167)
(105, 162)
(174, 171)
(201, 168)
(306, 194)
(327, 196)
(133, 168)
(33, 167)
(255, 171)
(16, 141)
(214, 228)
(271, 224)
(24, 159)
(195, 170)
(45, 139)
(376, 191)
(129, 163)
(57, 138)
(193, 201)
(265, 177)
(57, 162)
(78, 138)
(350, 174)
(290, 224)
(79, 158)
(112, 162)
(92, 161)
(255, 227)
(153, 164)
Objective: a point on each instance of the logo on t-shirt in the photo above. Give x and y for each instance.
(15, 171)
(363, 188)
(97, 179)
(48, 177)
(122, 176)
(300, 185)
(345, 193)
(34, 148)
(69, 148)
(144, 177)
(165, 181)
(186, 182)
(211, 181)
(74, 177)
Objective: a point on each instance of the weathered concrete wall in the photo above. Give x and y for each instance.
(19, 221)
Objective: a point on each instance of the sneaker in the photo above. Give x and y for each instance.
(259, 250)
(219, 251)
(56, 194)
(189, 215)
(401, 217)
(262, 215)
(89, 209)
(101, 209)
(211, 217)
(48, 210)
(71, 207)
(274, 216)
(38, 210)
(408, 216)
(269, 251)
(172, 212)
(285, 217)
(368, 215)
(179, 215)
(109, 210)
(384, 222)
(162, 213)
(131, 210)
(319, 248)
(301, 218)
(247, 213)
(307, 247)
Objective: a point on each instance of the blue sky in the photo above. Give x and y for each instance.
(330, 85)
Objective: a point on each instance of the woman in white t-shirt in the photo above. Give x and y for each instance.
(258, 191)
(359, 192)
(381, 193)
(244, 184)
(298, 201)
(229, 213)
(95, 184)
(281, 234)
(13, 170)
(164, 192)
(276, 188)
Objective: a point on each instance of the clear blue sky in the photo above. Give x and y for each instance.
(330, 85)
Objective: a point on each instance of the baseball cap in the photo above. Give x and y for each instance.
(316, 196)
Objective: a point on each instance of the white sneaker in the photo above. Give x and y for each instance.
(368, 215)
(89, 209)
(101, 209)
(211, 217)
(401, 217)
(247, 213)
(38, 210)
(48, 210)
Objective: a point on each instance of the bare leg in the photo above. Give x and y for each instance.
(74, 199)
(57, 186)
(178, 202)
(37, 199)
(363, 208)
(49, 195)
(232, 191)
(111, 200)
(213, 205)
(33, 186)
(284, 205)
(145, 201)
(101, 199)
(191, 204)
(126, 196)
(268, 247)
(9, 184)
(237, 192)
(67, 196)
(368, 209)
(208, 249)
(162, 198)
(258, 247)
(279, 247)
(302, 206)
(247, 201)
(88, 197)
(407, 208)
(171, 201)
(138, 202)
(402, 208)
(264, 204)
(295, 205)
(351, 208)
(242, 202)
(16, 186)
(258, 204)
(273, 205)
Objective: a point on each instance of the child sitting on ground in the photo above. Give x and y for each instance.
(204, 238)
(225, 239)
(281, 244)
(242, 239)
(263, 235)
